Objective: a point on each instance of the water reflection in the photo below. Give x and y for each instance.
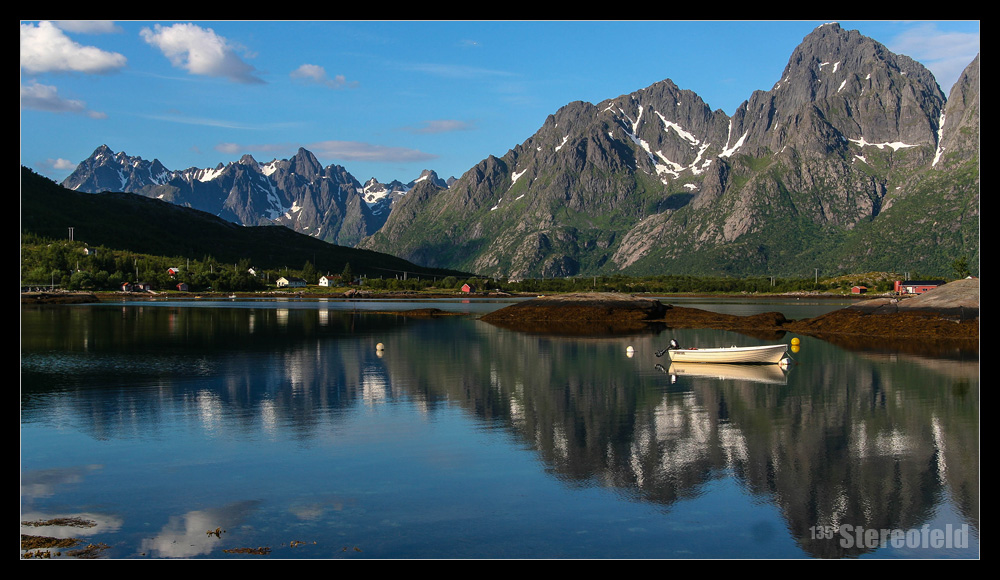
(875, 441)
(767, 374)
(187, 535)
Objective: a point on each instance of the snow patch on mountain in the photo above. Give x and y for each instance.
(269, 168)
(739, 143)
(210, 174)
(895, 145)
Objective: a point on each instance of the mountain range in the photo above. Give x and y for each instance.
(327, 203)
(137, 224)
(854, 160)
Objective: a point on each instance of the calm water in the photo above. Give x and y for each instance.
(282, 425)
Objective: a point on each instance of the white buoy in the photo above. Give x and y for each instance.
(380, 346)
(785, 363)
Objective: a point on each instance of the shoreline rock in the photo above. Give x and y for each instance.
(58, 298)
(948, 313)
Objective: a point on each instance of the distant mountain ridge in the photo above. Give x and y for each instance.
(853, 160)
(127, 221)
(327, 203)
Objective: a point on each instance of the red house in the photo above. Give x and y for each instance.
(916, 286)
(467, 288)
(858, 290)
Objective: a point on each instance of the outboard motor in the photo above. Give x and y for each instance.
(673, 346)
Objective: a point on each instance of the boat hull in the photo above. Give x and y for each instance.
(768, 354)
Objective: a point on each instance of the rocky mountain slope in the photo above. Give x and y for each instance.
(844, 164)
(852, 161)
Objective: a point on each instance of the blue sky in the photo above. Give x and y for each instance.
(386, 99)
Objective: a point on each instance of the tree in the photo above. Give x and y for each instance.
(82, 280)
(347, 275)
(961, 268)
(309, 273)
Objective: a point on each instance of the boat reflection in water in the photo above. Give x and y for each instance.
(767, 374)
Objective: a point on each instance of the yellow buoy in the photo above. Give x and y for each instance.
(795, 341)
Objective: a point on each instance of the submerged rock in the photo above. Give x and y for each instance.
(584, 313)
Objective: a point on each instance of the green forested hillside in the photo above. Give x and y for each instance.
(129, 222)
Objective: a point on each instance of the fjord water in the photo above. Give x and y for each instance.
(187, 429)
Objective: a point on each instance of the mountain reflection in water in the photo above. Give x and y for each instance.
(459, 429)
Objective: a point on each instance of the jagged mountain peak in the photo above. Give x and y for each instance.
(247, 159)
(656, 180)
(106, 170)
(862, 90)
(102, 152)
(305, 164)
(830, 49)
(428, 175)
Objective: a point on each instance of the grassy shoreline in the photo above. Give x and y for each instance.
(342, 293)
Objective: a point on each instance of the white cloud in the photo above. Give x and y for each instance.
(239, 149)
(441, 126)
(55, 166)
(88, 26)
(202, 121)
(315, 74)
(41, 97)
(340, 150)
(946, 54)
(358, 151)
(200, 51)
(45, 48)
(61, 164)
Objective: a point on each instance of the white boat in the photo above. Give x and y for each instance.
(767, 354)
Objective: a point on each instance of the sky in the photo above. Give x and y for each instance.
(387, 99)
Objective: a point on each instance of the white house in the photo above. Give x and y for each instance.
(291, 282)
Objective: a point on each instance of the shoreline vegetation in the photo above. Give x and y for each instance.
(948, 315)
